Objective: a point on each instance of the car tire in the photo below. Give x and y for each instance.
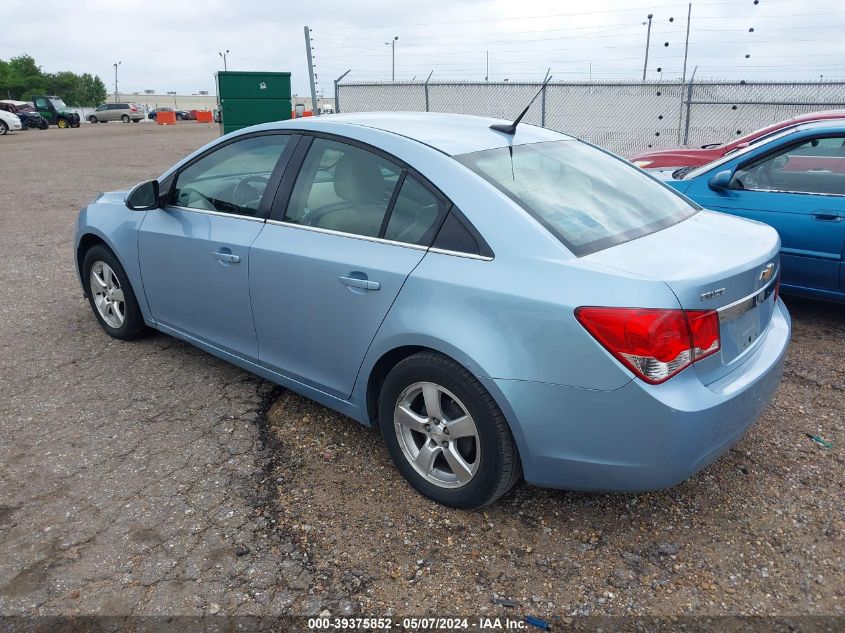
(43, 125)
(466, 471)
(179, 117)
(3, 128)
(92, 119)
(62, 123)
(103, 274)
(125, 118)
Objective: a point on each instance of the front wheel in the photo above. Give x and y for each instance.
(92, 119)
(62, 123)
(445, 432)
(43, 125)
(3, 128)
(110, 294)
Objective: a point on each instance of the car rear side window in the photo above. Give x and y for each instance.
(588, 199)
(344, 188)
(415, 215)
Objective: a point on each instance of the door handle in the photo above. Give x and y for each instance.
(364, 284)
(227, 257)
(828, 216)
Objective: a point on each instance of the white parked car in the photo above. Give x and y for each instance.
(9, 121)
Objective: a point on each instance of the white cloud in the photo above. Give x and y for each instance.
(174, 45)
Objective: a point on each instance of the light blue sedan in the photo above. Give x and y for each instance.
(498, 304)
(794, 181)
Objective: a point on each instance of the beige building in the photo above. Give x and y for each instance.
(196, 101)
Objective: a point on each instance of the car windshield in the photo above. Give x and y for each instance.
(58, 103)
(587, 198)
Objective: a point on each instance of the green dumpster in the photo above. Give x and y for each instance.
(248, 98)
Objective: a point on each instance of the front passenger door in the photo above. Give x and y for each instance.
(800, 191)
(194, 253)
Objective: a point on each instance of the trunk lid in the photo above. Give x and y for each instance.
(711, 261)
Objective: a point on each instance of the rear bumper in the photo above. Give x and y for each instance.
(640, 437)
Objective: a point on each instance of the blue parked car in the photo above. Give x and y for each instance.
(794, 182)
(499, 303)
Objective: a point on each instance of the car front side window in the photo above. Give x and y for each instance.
(343, 188)
(816, 166)
(230, 179)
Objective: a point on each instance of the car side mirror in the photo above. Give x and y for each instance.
(144, 196)
(721, 180)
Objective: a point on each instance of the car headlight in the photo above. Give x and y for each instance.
(642, 164)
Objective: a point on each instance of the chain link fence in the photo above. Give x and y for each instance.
(626, 118)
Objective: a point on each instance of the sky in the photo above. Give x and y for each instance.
(175, 46)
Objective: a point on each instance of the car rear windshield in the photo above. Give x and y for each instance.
(587, 198)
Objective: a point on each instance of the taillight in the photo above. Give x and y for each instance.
(655, 344)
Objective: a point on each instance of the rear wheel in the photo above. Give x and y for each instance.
(110, 294)
(445, 432)
(125, 118)
(3, 128)
(62, 123)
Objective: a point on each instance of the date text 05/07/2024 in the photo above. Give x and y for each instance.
(481, 624)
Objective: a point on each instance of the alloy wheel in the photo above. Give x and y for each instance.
(437, 435)
(107, 294)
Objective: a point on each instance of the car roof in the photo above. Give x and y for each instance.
(834, 124)
(821, 115)
(451, 134)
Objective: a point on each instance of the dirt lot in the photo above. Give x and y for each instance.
(151, 478)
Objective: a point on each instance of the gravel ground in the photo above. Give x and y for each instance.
(151, 478)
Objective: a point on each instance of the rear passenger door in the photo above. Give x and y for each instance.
(346, 230)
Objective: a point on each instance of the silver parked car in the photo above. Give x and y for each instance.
(116, 112)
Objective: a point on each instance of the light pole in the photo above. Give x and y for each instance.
(647, 42)
(223, 55)
(116, 93)
(392, 44)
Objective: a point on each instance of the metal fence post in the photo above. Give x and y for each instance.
(543, 100)
(689, 105)
(336, 86)
(426, 89)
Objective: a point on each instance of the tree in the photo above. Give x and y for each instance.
(21, 78)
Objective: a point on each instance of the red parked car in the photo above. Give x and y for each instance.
(695, 157)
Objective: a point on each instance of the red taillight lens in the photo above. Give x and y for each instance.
(655, 344)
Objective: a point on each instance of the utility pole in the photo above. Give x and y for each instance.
(487, 73)
(684, 75)
(116, 92)
(393, 52)
(647, 43)
(223, 55)
(314, 109)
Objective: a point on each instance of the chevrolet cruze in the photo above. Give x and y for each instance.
(499, 302)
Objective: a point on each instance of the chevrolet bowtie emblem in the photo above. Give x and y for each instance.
(767, 273)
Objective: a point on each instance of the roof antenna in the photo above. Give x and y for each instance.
(510, 128)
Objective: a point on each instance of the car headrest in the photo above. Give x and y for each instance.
(358, 179)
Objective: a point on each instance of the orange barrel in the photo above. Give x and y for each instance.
(166, 118)
(204, 116)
